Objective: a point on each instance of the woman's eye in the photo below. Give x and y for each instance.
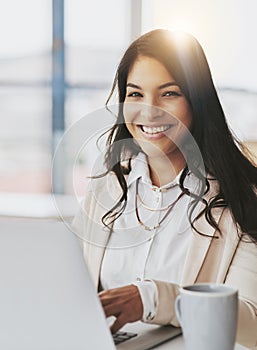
(171, 93)
(134, 94)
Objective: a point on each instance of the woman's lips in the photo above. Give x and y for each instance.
(155, 129)
(154, 132)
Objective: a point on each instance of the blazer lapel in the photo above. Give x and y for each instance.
(95, 253)
(199, 247)
(105, 196)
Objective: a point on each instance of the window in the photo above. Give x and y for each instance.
(91, 38)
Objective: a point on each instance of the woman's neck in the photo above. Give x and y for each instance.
(164, 170)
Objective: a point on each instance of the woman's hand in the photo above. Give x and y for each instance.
(124, 303)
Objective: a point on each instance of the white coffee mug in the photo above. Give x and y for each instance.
(208, 316)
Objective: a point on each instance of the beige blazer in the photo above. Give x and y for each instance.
(226, 260)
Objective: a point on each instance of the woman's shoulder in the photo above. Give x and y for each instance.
(104, 186)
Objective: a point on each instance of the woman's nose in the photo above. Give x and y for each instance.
(150, 112)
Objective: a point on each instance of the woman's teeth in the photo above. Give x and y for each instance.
(155, 130)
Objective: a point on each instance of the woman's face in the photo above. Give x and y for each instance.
(156, 112)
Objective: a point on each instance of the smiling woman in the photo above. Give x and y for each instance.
(177, 202)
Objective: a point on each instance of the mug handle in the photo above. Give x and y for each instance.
(178, 309)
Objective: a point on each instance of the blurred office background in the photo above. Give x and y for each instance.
(95, 35)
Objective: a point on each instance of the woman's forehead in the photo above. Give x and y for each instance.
(148, 67)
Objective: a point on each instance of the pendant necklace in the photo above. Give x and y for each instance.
(168, 208)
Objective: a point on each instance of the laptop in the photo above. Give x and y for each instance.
(47, 299)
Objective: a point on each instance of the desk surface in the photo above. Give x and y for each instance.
(147, 331)
(178, 344)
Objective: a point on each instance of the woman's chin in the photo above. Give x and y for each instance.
(153, 151)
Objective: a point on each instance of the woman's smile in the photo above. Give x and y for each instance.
(154, 129)
(154, 132)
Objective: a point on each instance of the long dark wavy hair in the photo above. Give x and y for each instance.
(223, 155)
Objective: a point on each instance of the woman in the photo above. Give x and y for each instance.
(177, 203)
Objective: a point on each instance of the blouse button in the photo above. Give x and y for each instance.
(138, 279)
(150, 316)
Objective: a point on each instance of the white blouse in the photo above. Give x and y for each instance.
(135, 255)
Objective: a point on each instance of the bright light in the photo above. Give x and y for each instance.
(225, 29)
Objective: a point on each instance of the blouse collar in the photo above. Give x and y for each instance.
(140, 169)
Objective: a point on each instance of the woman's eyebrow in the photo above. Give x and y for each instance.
(163, 86)
(134, 86)
(170, 83)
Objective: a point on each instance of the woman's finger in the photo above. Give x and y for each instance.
(124, 300)
(118, 323)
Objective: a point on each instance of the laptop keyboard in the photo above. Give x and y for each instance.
(120, 337)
